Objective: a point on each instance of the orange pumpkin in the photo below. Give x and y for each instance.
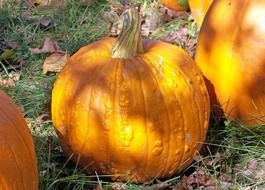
(231, 54)
(131, 109)
(199, 9)
(177, 5)
(18, 165)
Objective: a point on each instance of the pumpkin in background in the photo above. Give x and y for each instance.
(199, 9)
(135, 113)
(177, 5)
(231, 55)
(18, 164)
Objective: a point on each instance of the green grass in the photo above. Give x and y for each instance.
(227, 152)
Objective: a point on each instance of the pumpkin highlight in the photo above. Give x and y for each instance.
(230, 53)
(135, 110)
(18, 164)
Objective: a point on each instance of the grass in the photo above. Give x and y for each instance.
(230, 149)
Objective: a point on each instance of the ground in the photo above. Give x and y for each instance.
(232, 157)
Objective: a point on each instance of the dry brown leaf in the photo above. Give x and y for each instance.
(31, 3)
(11, 44)
(57, 3)
(42, 118)
(7, 54)
(181, 37)
(116, 5)
(119, 186)
(177, 36)
(113, 19)
(200, 178)
(10, 81)
(49, 45)
(260, 173)
(6, 82)
(253, 169)
(169, 14)
(252, 165)
(151, 19)
(45, 22)
(55, 62)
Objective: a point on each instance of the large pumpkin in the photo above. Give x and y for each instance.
(199, 9)
(177, 5)
(18, 165)
(231, 55)
(136, 114)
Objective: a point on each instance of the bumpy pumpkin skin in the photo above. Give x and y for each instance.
(231, 55)
(18, 165)
(199, 9)
(177, 5)
(138, 118)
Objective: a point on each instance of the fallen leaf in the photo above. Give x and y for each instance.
(6, 82)
(119, 186)
(252, 165)
(15, 76)
(7, 54)
(49, 45)
(55, 62)
(253, 169)
(42, 118)
(177, 36)
(116, 5)
(169, 14)
(57, 3)
(260, 175)
(10, 80)
(45, 22)
(41, 21)
(10, 61)
(11, 44)
(151, 19)
(182, 38)
(31, 3)
(113, 19)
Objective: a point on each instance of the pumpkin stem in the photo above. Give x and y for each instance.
(129, 42)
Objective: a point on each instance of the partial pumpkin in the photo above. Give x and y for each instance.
(199, 9)
(130, 109)
(18, 164)
(231, 55)
(177, 5)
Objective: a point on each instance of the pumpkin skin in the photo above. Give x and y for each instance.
(18, 164)
(136, 118)
(230, 53)
(199, 9)
(177, 5)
